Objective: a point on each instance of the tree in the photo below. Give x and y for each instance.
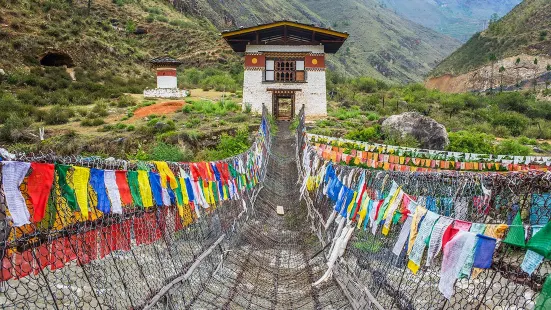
(517, 63)
(453, 105)
(501, 71)
(535, 73)
(548, 68)
(493, 59)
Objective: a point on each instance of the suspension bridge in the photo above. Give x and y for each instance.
(238, 250)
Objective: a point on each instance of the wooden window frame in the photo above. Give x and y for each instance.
(285, 70)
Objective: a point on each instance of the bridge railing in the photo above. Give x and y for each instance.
(375, 268)
(141, 258)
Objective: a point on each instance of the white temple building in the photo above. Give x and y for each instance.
(285, 66)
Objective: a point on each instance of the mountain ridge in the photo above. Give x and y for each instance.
(381, 44)
(457, 18)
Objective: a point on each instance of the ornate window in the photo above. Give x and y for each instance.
(284, 70)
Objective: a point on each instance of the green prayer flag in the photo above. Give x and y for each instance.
(66, 191)
(541, 241)
(134, 188)
(214, 187)
(178, 191)
(516, 234)
(544, 299)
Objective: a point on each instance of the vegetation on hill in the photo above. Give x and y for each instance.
(525, 30)
(69, 69)
(505, 123)
(459, 19)
(381, 44)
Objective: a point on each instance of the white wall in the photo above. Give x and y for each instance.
(167, 82)
(313, 94)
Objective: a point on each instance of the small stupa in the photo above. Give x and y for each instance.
(167, 80)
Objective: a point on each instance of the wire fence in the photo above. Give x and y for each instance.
(382, 279)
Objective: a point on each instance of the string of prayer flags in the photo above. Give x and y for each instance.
(532, 259)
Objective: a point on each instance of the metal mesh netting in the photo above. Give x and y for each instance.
(273, 262)
(375, 271)
(238, 255)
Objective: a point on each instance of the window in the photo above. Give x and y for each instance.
(269, 70)
(284, 70)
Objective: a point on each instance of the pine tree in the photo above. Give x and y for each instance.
(501, 71)
(517, 63)
(548, 68)
(493, 59)
(535, 73)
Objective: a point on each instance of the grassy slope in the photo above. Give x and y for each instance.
(382, 44)
(110, 59)
(456, 18)
(99, 41)
(518, 32)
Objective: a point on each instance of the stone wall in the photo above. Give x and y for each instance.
(165, 93)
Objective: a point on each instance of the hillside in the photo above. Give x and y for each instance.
(119, 39)
(459, 19)
(525, 30)
(381, 44)
(77, 74)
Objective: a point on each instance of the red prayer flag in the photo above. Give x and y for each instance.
(124, 189)
(39, 186)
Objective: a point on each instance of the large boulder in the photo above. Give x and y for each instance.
(430, 134)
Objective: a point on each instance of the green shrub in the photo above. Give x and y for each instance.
(162, 18)
(228, 146)
(14, 128)
(343, 114)
(466, 141)
(187, 109)
(58, 115)
(515, 121)
(167, 152)
(92, 122)
(126, 101)
(513, 147)
(130, 26)
(248, 108)
(366, 134)
(130, 128)
(239, 118)
(100, 109)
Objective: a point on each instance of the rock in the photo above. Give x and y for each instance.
(538, 150)
(140, 30)
(2, 72)
(430, 134)
(160, 125)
